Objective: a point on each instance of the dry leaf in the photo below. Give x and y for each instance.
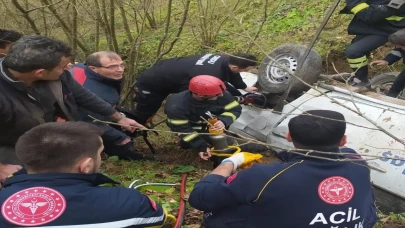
(387, 119)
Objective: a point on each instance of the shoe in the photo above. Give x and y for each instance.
(358, 83)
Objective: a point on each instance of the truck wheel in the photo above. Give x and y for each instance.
(383, 82)
(275, 80)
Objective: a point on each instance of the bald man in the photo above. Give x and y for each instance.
(102, 74)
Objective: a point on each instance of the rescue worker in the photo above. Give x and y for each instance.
(184, 111)
(373, 22)
(398, 39)
(60, 186)
(173, 76)
(36, 88)
(7, 38)
(301, 192)
(102, 74)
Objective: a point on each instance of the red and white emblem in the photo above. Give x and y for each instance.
(336, 190)
(33, 206)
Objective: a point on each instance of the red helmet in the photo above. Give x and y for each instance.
(206, 85)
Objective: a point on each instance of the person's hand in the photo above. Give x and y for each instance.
(205, 155)
(7, 170)
(219, 125)
(251, 89)
(379, 63)
(124, 142)
(130, 124)
(243, 159)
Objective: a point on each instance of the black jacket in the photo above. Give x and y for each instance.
(173, 75)
(395, 55)
(22, 109)
(374, 17)
(183, 115)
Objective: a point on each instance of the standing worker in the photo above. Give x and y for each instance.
(173, 76)
(302, 192)
(184, 111)
(373, 22)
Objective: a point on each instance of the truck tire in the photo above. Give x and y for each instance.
(383, 82)
(275, 80)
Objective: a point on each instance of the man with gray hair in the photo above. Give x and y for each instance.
(102, 74)
(37, 88)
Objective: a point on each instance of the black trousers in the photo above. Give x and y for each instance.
(148, 102)
(359, 50)
(398, 86)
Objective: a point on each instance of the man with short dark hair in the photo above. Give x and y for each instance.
(304, 191)
(61, 184)
(173, 76)
(37, 88)
(7, 38)
(102, 74)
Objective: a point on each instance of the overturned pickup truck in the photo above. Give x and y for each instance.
(261, 123)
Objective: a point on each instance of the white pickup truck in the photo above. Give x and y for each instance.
(387, 175)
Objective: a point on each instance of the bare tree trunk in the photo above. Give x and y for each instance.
(74, 27)
(101, 22)
(125, 22)
(126, 100)
(26, 16)
(168, 17)
(44, 21)
(64, 25)
(183, 21)
(97, 38)
(112, 26)
(107, 25)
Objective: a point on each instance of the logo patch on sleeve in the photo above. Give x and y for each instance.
(336, 190)
(231, 178)
(153, 203)
(33, 206)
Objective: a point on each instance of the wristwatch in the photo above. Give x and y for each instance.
(122, 116)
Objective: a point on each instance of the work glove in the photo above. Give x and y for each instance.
(243, 160)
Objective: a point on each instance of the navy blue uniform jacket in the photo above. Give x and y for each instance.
(173, 75)
(105, 88)
(70, 200)
(374, 17)
(184, 115)
(303, 192)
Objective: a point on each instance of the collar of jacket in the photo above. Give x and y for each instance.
(94, 179)
(9, 78)
(98, 77)
(302, 155)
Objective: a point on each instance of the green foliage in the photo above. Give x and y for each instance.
(182, 169)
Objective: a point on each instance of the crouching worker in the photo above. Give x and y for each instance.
(302, 192)
(184, 111)
(61, 188)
